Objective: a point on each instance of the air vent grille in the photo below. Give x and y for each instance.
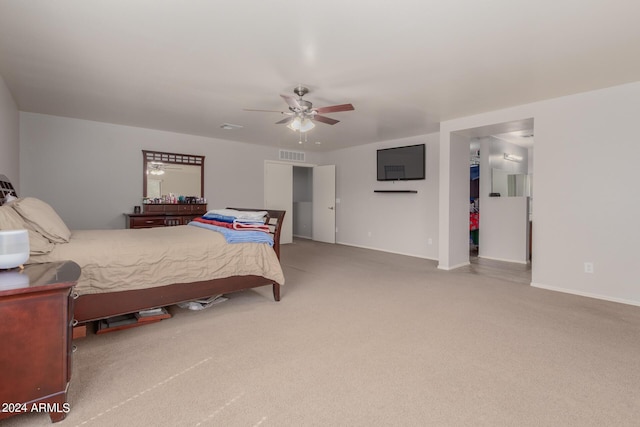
(292, 156)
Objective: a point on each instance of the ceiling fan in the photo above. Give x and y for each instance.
(302, 114)
(158, 168)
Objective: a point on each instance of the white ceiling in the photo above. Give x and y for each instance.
(189, 66)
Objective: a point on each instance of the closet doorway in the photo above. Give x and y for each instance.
(307, 193)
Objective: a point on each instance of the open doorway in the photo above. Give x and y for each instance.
(500, 191)
(474, 198)
(313, 203)
(302, 202)
(313, 190)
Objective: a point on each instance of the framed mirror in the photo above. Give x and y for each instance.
(165, 173)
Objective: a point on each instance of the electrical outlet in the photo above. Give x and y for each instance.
(430, 241)
(588, 267)
(369, 234)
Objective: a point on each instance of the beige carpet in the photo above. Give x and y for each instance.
(365, 338)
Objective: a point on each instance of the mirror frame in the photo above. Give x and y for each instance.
(171, 158)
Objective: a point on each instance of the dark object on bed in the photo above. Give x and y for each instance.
(6, 188)
(99, 306)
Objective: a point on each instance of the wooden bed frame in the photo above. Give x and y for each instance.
(91, 307)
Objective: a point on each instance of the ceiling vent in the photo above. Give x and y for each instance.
(292, 156)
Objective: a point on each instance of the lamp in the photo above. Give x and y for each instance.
(14, 248)
(301, 125)
(512, 157)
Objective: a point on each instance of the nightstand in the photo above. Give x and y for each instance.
(36, 320)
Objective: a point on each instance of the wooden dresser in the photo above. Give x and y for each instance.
(36, 312)
(165, 215)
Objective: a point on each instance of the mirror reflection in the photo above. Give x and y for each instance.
(508, 184)
(172, 173)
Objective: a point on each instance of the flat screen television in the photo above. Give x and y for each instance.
(401, 163)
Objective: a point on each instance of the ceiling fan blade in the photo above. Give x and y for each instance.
(264, 111)
(334, 108)
(293, 103)
(285, 121)
(324, 119)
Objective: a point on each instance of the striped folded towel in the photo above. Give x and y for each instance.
(250, 225)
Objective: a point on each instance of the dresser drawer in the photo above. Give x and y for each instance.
(147, 221)
(153, 208)
(165, 215)
(179, 209)
(199, 209)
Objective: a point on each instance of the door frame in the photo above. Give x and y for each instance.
(292, 164)
(289, 215)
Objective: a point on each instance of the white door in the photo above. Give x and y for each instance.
(278, 194)
(324, 203)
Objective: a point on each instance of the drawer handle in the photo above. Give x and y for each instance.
(74, 348)
(74, 323)
(149, 221)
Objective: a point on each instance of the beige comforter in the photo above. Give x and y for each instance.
(119, 260)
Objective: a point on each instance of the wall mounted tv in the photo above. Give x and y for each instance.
(401, 163)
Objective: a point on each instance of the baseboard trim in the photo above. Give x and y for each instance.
(504, 260)
(586, 294)
(389, 252)
(302, 237)
(453, 267)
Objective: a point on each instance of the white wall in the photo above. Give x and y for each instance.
(454, 200)
(9, 136)
(504, 229)
(586, 151)
(400, 223)
(91, 172)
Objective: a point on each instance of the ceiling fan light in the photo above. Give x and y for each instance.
(295, 124)
(306, 125)
(301, 125)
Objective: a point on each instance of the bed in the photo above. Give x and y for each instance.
(128, 270)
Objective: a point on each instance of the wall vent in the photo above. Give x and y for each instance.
(292, 156)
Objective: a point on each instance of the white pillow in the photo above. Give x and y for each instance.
(43, 218)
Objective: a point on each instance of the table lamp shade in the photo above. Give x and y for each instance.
(14, 248)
